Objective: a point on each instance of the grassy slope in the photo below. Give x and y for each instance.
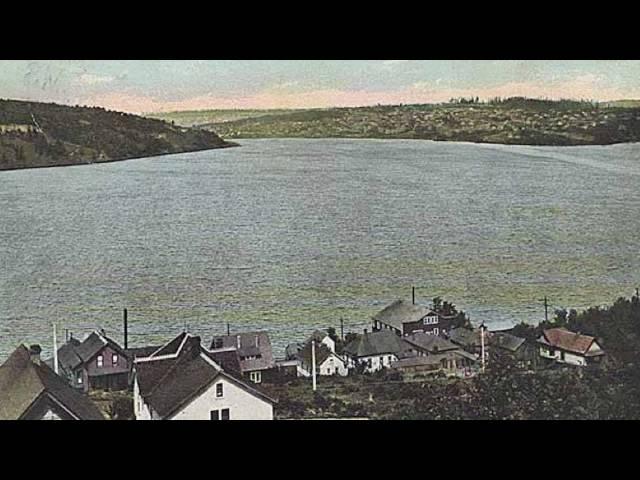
(63, 135)
(516, 121)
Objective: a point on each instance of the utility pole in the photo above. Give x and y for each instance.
(413, 295)
(313, 363)
(342, 328)
(228, 329)
(482, 345)
(546, 308)
(55, 349)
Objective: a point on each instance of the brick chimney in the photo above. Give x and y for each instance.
(34, 353)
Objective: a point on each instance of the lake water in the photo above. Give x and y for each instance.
(290, 235)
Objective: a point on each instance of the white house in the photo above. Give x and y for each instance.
(328, 363)
(182, 381)
(377, 350)
(565, 346)
(323, 338)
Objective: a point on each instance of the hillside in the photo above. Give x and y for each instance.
(192, 118)
(43, 135)
(511, 121)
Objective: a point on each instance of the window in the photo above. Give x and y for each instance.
(219, 390)
(114, 359)
(435, 331)
(79, 377)
(255, 377)
(100, 361)
(223, 414)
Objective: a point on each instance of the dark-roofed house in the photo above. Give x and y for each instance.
(519, 349)
(183, 381)
(425, 344)
(254, 352)
(377, 350)
(97, 363)
(405, 318)
(470, 339)
(564, 346)
(31, 390)
(453, 363)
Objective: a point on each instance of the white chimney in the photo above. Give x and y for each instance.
(238, 337)
(34, 353)
(257, 341)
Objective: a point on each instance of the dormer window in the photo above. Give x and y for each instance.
(114, 359)
(100, 361)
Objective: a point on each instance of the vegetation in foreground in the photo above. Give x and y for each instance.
(43, 135)
(504, 121)
(610, 391)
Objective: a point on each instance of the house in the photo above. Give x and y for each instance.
(31, 390)
(322, 337)
(470, 339)
(97, 363)
(254, 352)
(452, 363)
(405, 318)
(377, 350)
(425, 344)
(327, 361)
(183, 381)
(519, 349)
(564, 346)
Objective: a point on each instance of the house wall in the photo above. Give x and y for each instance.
(242, 405)
(108, 367)
(569, 358)
(140, 409)
(378, 362)
(431, 328)
(329, 343)
(329, 366)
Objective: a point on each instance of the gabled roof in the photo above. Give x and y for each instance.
(468, 338)
(171, 348)
(376, 343)
(400, 312)
(507, 341)
(249, 344)
(142, 352)
(23, 382)
(430, 343)
(566, 340)
(169, 384)
(318, 336)
(431, 360)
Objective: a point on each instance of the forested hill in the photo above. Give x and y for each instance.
(44, 134)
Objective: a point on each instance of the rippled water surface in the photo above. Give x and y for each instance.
(289, 235)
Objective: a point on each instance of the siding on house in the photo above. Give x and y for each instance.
(242, 405)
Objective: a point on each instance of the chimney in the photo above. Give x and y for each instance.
(413, 295)
(34, 353)
(238, 338)
(365, 331)
(257, 341)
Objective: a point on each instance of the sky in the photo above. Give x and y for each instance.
(145, 86)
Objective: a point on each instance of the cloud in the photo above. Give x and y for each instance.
(89, 79)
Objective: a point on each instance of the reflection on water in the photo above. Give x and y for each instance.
(290, 235)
